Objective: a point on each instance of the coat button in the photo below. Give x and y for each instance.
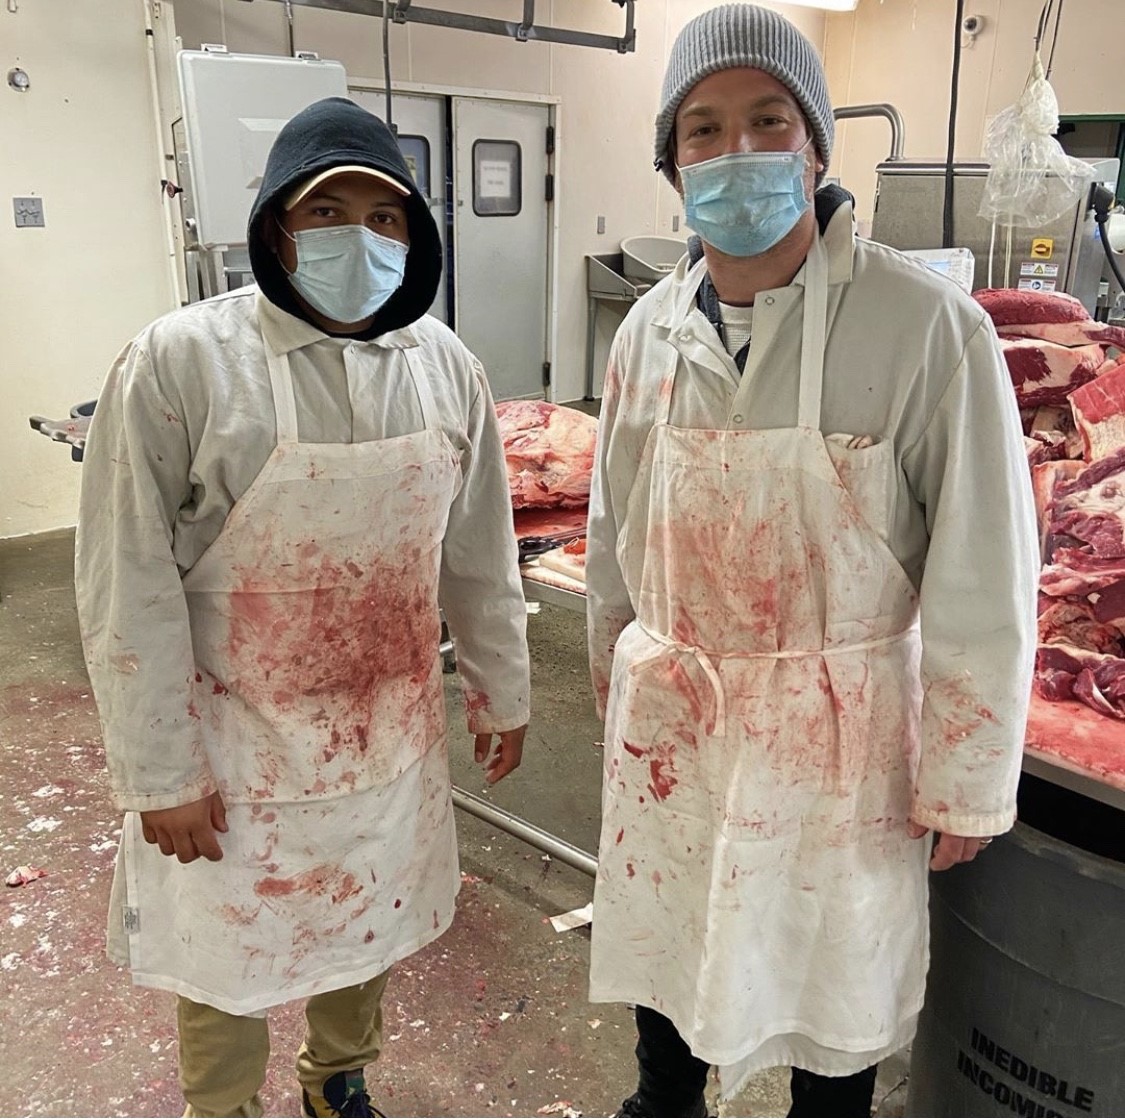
(769, 301)
(737, 417)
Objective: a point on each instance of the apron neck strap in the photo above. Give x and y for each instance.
(284, 403)
(814, 333)
(667, 384)
(422, 387)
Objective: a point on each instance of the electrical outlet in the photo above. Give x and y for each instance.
(29, 212)
(675, 223)
(601, 223)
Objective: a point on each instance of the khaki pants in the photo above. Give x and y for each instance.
(223, 1057)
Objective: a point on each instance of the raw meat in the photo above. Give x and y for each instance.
(1045, 373)
(1044, 478)
(1011, 306)
(1072, 573)
(1051, 420)
(1044, 447)
(1099, 413)
(549, 452)
(1064, 672)
(1064, 622)
(1074, 737)
(549, 522)
(1090, 508)
(1068, 334)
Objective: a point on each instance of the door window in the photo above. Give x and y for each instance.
(497, 168)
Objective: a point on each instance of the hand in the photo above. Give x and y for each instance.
(188, 831)
(506, 756)
(949, 849)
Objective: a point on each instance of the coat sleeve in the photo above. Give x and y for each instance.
(978, 595)
(609, 608)
(131, 606)
(480, 587)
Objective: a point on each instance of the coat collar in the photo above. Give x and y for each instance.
(284, 332)
(677, 297)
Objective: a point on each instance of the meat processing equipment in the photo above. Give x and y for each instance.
(1065, 255)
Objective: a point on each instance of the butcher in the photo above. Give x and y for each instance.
(812, 566)
(281, 486)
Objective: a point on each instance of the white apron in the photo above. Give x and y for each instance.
(315, 625)
(755, 881)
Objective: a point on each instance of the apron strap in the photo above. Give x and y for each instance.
(284, 402)
(667, 384)
(814, 334)
(430, 416)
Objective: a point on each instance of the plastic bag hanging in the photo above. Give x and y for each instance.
(1031, 180)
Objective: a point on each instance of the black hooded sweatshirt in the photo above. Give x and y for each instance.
(332, 133)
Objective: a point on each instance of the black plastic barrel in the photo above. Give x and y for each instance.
(1025, 1001)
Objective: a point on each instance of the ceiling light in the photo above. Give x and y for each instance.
(827, 5)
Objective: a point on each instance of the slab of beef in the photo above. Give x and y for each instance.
(1008, 307)
(549, 452)
(1045, 372)
(1050, 343)
(1088, 512)
(1099, 413)
(1074, 624)
(1064, 672)
(1044, 478)
(1044, 447)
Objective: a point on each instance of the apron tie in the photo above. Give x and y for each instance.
(706, 660)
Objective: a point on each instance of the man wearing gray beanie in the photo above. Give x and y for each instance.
(811, 574)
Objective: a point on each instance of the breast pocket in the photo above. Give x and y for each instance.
(865, 467)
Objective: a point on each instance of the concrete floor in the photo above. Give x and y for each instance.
(492, 1020)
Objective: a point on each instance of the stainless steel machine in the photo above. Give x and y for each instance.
(1065, 255)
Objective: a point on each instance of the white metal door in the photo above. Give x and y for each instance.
(501, 239)
(420, 122)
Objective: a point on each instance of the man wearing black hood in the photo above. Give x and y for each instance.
(281, 484)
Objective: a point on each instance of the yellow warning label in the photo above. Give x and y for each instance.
(1043, 248)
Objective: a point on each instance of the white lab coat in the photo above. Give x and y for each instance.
(910, 360)
(184, 424)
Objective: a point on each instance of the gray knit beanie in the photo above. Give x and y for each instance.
(745, 35)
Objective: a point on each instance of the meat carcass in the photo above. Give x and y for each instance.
(549, 452)
(1045, 372)
(1088, 511)
(1069, 334)
(1044, 447)
(1064, 672)
(1044, 478)
(1074, 624)
(1099, 413)
(1008, 307)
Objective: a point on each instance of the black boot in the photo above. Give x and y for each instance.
(344, 1094)
(816, 1095)
(672, 1079)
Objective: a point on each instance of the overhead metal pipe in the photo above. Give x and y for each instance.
(525, 30)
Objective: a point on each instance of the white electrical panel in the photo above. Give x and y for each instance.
(234, 107)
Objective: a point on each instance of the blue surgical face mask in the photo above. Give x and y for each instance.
(347, 272)
(746, 202)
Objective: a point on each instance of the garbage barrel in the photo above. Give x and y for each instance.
(1025, 1002)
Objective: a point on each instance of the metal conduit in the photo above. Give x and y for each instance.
(525, 831)
(879, 109)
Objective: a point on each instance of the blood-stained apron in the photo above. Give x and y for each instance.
(756, 883)
(318, 691)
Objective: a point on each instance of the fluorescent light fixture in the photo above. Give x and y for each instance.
(827, 5)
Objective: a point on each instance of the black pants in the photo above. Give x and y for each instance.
(672, 1078)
